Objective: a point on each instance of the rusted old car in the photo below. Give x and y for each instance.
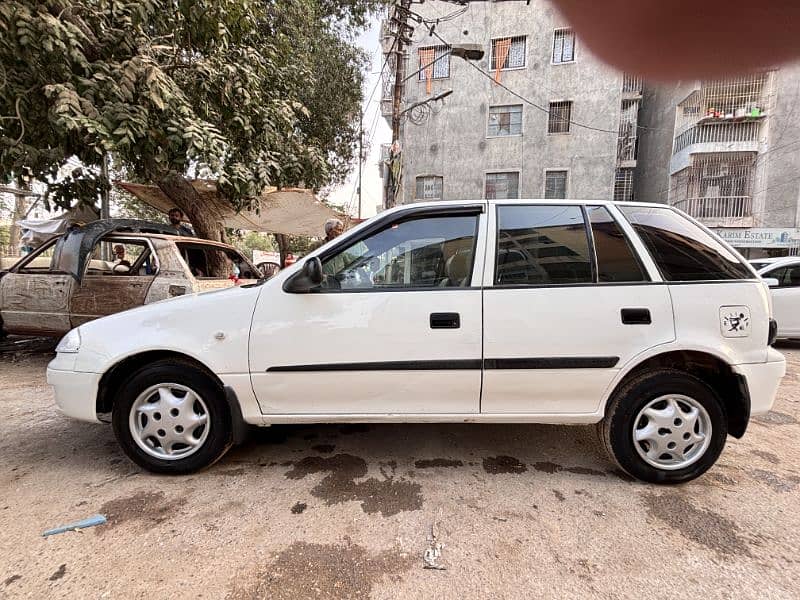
(66, 281)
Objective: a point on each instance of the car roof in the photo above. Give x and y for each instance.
(529, 201)
(780, 262)
(170, 238)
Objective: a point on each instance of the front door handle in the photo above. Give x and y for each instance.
(635, 316)
(445, 320)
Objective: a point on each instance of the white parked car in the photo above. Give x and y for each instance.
(631, 316)
(783, 278)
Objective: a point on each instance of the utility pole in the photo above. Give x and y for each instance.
(400, 19)
(360, 154)
(104, 197)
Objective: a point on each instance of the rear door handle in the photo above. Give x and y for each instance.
(635, 316)
(445, 320)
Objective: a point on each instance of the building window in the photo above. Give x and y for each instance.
(508, 52)
(716, 186)
(559, 117)
(502, 186)
(505, 120)
(623, 185)
(628, 122)
(555, 184)
(439, 69)
(429, 187)
(563, 46)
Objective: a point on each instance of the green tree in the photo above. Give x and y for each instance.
(253, 94)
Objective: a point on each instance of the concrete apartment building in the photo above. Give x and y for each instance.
(727, 152)
(482, 141)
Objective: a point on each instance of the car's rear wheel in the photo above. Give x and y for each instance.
(664, 426)
(171, 417)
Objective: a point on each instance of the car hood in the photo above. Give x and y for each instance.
(213, 327)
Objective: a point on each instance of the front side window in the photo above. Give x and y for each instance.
(505, 120)
(559, 117)
(555, 185)
(502, 186)
(563, 46)
(508, 53)
(440, 57)
(682, 250)
(616, 260)
(430, 252)
(542, 245)
(429, 187)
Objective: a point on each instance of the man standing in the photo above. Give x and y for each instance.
(176, 217)
(333, 229)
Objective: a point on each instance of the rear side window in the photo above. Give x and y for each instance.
(681, 249)
(616, 260)
(542, 245)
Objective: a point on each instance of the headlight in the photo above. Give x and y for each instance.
(70, 343)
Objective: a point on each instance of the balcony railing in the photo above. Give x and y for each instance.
(723, 133)
(626, 148)
(631, 84)
(722, 207)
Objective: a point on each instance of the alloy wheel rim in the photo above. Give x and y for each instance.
(672, 432)
(169, 421)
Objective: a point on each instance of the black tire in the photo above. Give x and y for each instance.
(219, 437)
(616, 430)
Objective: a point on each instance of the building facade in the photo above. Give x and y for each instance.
(574, 135)
(568, 126)
(728, 153)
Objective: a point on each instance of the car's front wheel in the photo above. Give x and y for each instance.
(664, 426)
(171, 417)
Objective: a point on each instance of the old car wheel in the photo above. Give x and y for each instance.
(665, 426)
(170, 417)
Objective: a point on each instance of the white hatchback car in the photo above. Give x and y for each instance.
(783, 277)
(631, 316)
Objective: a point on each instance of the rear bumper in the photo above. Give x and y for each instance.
(76, 393)
(763, 380)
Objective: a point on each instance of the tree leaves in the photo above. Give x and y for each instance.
(261, 93)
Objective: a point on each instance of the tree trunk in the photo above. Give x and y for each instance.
(283, 246)
(20, 208)
(205, 219)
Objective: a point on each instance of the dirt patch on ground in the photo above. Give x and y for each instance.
(550, 467)
(503, 464)
(59, 573)
(323, 448)
(388, 496)
(438, 462)
(144, 507)
(775, 418)
(323, 571)
(702, 526)
(767, 456)
(774, 481)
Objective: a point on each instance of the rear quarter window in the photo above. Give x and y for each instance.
(682, 250)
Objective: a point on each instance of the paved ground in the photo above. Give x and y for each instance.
(346, 512)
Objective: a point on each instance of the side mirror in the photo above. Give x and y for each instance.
(772, 282)
(310, 277)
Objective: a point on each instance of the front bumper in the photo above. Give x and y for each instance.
(76, 393)
(763, 380)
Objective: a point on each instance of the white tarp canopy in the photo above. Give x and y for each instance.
(292, 211)
(36, 231)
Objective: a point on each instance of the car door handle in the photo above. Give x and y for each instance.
(447, 320)
(635, 316)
